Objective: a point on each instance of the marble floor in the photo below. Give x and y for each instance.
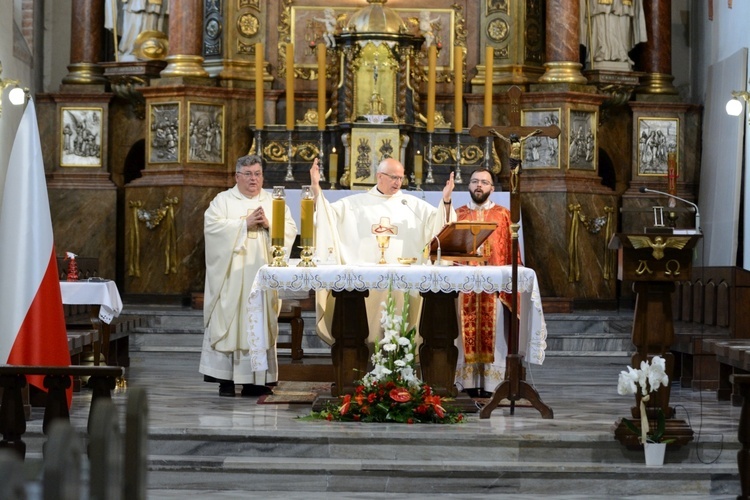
(581, 391)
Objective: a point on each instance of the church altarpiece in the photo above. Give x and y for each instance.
(376, 105)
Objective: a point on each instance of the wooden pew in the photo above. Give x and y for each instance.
(57, 379)
(733, 356)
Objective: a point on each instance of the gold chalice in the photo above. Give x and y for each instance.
(383, 241)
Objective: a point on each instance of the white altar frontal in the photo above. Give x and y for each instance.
(429, 280)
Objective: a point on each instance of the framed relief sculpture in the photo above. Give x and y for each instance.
(81, 137)
(582, 150)
(656, 138)
(205, 133)
(164, 132)
(541, 152)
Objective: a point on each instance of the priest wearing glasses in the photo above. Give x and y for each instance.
(345, 227)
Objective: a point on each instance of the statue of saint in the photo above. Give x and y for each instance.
(610, 29)
(134, 17)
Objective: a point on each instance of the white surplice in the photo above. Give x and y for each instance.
(233, 257)
(344, 228)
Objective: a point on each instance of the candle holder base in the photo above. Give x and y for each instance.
(277, 256)
(306, 257)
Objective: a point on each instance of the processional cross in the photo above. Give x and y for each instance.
(514, 387)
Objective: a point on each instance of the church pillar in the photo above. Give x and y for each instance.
(185, 40)
(87, 27)
(655, 56)
(562, 43)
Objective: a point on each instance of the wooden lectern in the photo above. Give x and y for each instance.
(653, 262)
(460, 241)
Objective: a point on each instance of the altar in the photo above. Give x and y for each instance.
(438, 285)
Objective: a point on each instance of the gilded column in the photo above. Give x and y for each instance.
(185, 39)
(87, 28)
(562, 51)
(655, 56)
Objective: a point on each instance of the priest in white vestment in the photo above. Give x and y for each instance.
(344, 228)
(237, 232)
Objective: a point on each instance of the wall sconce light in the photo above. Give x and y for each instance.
(734, 105)
(16, 95)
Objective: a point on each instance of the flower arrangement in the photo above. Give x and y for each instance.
(649, 377)
(391, 391)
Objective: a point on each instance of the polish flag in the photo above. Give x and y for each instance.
(32, 323)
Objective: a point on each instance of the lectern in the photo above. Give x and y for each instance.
(653, 262)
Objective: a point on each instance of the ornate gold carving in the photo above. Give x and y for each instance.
(254, 4)
(311, 117)
(460, 25)
(279, 152)
(470, 155)
(134, 251)
(152, 219)
(593, 226)
(643, 268)
(245, 48)
(658, 244)
(498, 30)
(494, 6)
(672, 268)
(248, 25)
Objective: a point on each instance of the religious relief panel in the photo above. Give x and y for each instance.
(369, 147)
(164, 133)
(205, 133)
(657, 137)
(213, 27)
(582, 150)
(541, 152)
(81, 137)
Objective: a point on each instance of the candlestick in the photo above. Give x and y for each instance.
(321, 48)
(259, 86)
(278, 208)
(488, 80)
(458, 105)
(290, 86)
(672, 172)
(306, 231)
(333, 166)
(431, 78)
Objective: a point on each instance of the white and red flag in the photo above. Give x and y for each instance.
(32, 323)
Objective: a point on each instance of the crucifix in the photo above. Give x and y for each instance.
(514, 387)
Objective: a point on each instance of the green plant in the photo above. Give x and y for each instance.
(649, 377)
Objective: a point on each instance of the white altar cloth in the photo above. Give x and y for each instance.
(104, 293)
(422, 278)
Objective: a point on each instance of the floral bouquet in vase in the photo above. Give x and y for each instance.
(649, 377)
(392, 391)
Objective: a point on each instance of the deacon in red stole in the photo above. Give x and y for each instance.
(482, 346)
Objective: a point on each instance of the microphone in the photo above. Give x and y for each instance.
(697, 212)
(405, 203)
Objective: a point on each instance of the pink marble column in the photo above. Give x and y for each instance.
(87, 28)
(655, 56)
(562, 43)
(185, 39)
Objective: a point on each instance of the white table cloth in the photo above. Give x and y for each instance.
(422, 278)
(104, 293)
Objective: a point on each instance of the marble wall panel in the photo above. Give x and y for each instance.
(154, 277)
(84, 221)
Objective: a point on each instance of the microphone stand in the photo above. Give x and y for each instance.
(695, 207)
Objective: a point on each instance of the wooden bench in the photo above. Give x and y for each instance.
(57, 379)
(696, 367)
(733, 356)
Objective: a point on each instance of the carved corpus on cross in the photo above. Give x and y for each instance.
(514, 387)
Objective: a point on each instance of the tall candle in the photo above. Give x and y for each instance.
(321, 48)
(290, 86)
(259, 86)
(333, 166)
(418, 168)
(431, 77)
(458, 105)
(277, 221)
(489, 60)
(306, 220)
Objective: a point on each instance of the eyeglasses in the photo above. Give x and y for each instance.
(247, 175)
(398, 178)
(482, 182)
